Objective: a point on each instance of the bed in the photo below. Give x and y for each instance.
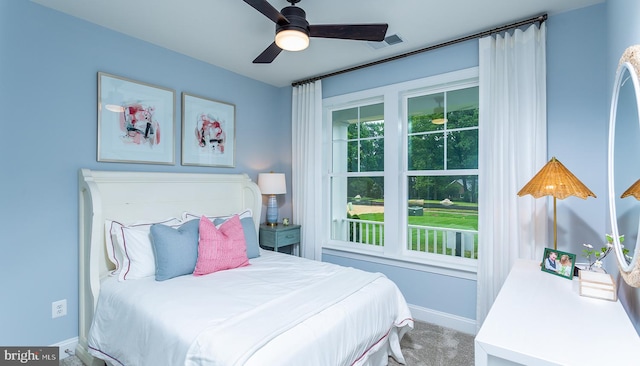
(273, 309)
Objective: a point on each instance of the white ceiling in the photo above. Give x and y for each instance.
(230, 33)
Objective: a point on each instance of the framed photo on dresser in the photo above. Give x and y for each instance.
(558, 263)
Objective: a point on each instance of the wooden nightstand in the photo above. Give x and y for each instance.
(279, 236)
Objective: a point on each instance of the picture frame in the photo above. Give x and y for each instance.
(564, 263)
(208, 132)
(136, 121)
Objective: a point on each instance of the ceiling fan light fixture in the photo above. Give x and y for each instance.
(292, 40)
(439, 111)
(293, 30)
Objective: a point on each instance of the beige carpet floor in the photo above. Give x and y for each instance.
(432, 345)
(425, 345)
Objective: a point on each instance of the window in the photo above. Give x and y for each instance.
(403, 171)
(358, 179)
(442, 172)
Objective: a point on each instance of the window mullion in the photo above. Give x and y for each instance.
(393, 157)
(446, 131)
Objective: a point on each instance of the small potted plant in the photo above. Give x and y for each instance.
(595, 256)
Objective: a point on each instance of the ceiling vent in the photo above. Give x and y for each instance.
(388, 41)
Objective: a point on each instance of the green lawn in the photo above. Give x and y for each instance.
(447, 218)
(435, 217)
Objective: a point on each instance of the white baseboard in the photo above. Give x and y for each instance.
(447, 320)
(69, 344)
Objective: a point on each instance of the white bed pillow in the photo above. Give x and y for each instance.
(111, 242)
(188, 216)
(129, 247)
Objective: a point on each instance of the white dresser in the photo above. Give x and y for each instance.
(540, 319)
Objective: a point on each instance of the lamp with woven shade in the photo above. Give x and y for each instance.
(634, 191)
(554, 179)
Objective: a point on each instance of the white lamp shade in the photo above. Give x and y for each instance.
(292, 40)
(272, 183)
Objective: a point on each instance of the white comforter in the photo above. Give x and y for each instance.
(280, 310)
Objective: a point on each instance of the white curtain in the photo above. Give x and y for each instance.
(306, 181)
(513, 143)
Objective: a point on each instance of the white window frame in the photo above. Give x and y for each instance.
(347, 174)
(394, 251)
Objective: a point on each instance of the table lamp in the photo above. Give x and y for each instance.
(272, 184)
(554, 179)
(634, 191)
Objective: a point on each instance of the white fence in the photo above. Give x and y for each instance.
(425, 239)
(438, 240)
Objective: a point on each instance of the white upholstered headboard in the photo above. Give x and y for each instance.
(137, 196)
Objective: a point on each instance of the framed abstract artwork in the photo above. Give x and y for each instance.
(136, 121)
(208, 132)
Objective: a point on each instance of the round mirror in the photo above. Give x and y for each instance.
(624, 165)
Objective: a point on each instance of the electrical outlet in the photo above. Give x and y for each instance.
(58, 308)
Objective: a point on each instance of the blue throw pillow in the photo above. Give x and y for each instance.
(176, 250)
(250, 236)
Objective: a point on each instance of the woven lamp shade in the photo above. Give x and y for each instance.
(634, 190)
(554, 179)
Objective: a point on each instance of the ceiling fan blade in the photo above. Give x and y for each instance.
(268, 55)
(358, 32)
(268, 10)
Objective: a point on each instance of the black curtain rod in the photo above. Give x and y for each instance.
(539, 18)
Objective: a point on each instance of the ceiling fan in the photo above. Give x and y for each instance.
(293, 30)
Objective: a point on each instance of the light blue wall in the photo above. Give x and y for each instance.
(48, 94)
(576, 112)
(456, 57)
(624, 31)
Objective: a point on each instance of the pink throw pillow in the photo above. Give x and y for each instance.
(220, 249)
